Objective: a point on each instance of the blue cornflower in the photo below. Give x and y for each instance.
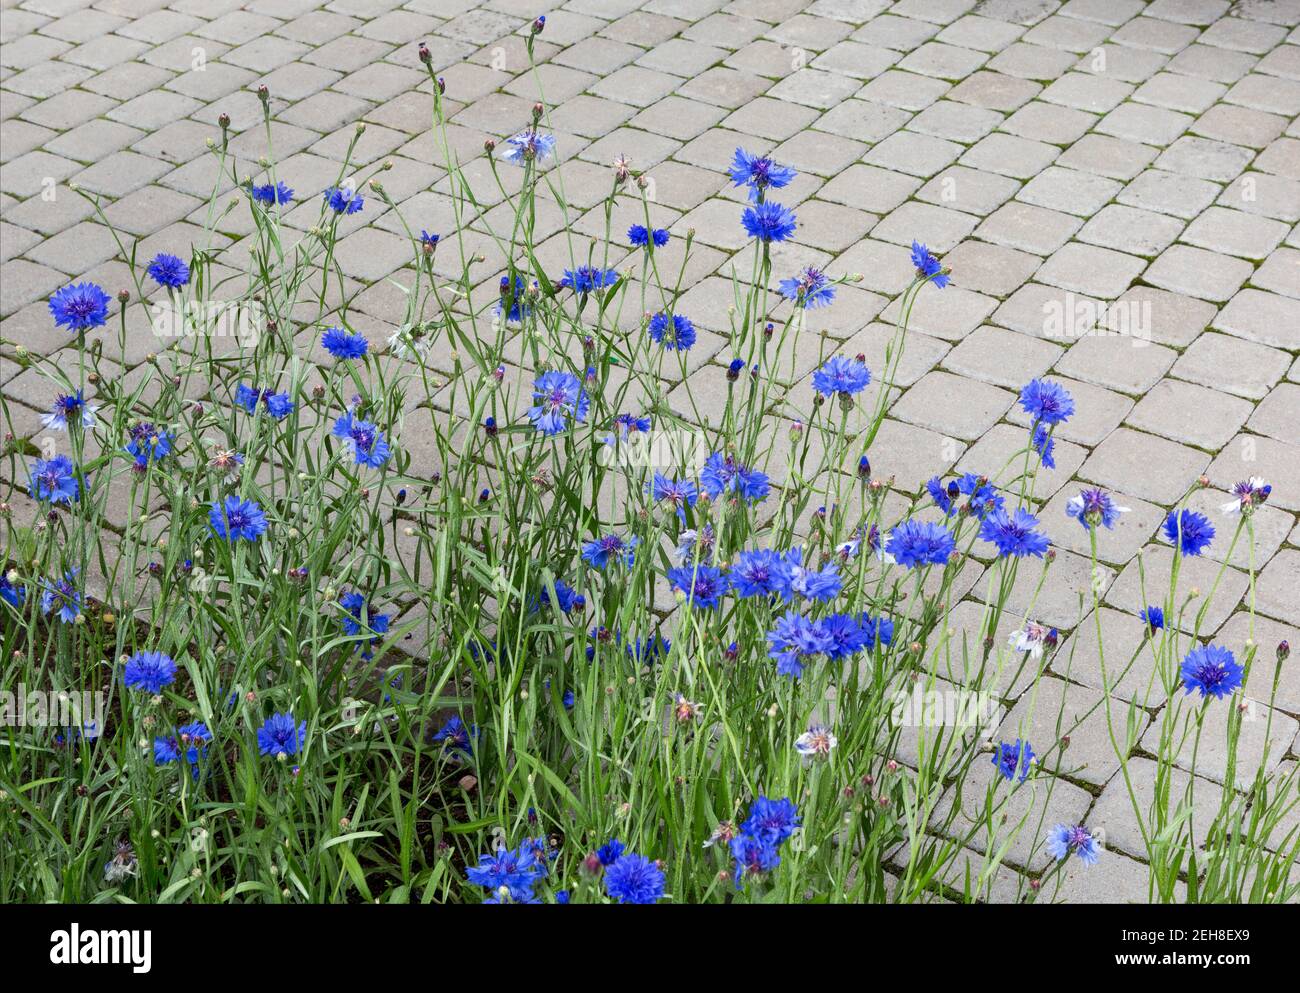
(599, 552)
(690, 542)
(1213, 670)
(639, 237)
(846, 636)
(794, 640)
(761, 572)
(809, 289)
(62, 595)
(1153, 617)
(191, 741)
(456, 735)
(236, 519)
(344, 344)
(759, 173)
(343, 200)
(10, 592)
(927, 266)
(268, 194)
(915, 543)
(149, 671)
(1044, 444)
(54, 480)
(149, 443)
(812, 584)
(675, 333)
(630, 424)
(369, 448)
(678, 493)
(1093, 507)
(703, 585)
(984, 497)
(1014, 533)
(279, 736)
(1064, 840)
(753, 857)
(169, 271)
(1013, 761)
(515, 870)
(528, 146)
(513, 302)
(723, 474)
(609, 852)
(772, 821)
(879, 630)
(634, 879)
(1046, 402)
(1189, 531)
(278, 405)
(843, 376)
(80, 306)
(566, 597)
(768, 222)
(361, 619)
(589, 279)
(69, 406)
(561, 398)
(429, 240)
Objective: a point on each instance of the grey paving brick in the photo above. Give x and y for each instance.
(1262, 317)
(1125, 363)
(1226, 363)
(1149, 467)
(1197, 272)
(1069, 191)
(1188, 413)
(1132, 230)
(1098, 272)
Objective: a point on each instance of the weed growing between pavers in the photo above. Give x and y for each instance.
(503, 605)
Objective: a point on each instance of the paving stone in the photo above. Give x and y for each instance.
(990, 269)
(1131, 671)
(1057, 709)
(1261, 193)
(910, 455)
(1260, 745)
(1190, 414)
(1150, 468)
(1048, 123)
(994, 91)
(1205, 159)
(905, 90)
(1040, 800)
(1028, 228)
(1232, 232)
(1239, 126)
(1198, 273)
(1106, 156)
(950, 313)
(1146, 579)
(1266, 634)
(1137, 122)
(1098, 272)
(1208, 62)
(1182, 93)
(1254, 455)
(1262, 317)
(1169, 193)
(1226, 363)
(1129, 364)
(1009, 155)
(1129, 229)
(1280, 273)
(1055, 593)
(1163, 806)
(1069, 191)
(1004, 445)
(929, 405)
(1167, 318)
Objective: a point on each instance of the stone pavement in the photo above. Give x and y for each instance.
(1081, 166)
